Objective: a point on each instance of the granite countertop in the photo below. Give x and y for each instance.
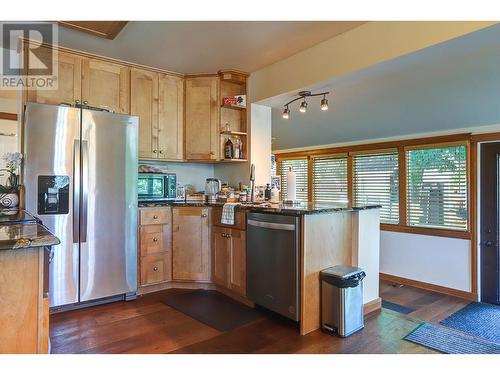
(279, 208)
(20, 230)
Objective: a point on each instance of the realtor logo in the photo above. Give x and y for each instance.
(34, 66)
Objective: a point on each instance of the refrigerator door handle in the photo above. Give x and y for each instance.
(76, 191)
(85, 188)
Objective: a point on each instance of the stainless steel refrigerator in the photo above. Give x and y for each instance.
(80, 176)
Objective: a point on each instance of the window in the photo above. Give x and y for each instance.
(437, 187)
(376, 182)
(299, 166)
(329, 176)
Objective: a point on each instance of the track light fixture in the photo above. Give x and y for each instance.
(303, 106)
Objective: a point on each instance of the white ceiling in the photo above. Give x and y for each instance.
(449, 86)
(202, 47)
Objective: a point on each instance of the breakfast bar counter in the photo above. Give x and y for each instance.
(24, 259)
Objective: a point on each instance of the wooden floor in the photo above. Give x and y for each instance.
(149, 326)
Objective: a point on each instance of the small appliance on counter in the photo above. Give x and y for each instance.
(212, 187)
(157, 187)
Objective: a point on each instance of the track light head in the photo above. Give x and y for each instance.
(303, 107)
(286, 113)
(324, 104)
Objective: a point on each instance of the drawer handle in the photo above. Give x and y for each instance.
(154, 151)
(155, 268)
(155, 239)
(204, 215)
(155, 217)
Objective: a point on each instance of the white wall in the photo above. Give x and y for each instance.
(260, 151)
(436, 260)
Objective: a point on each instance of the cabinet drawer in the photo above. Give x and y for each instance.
(155, 239)
(155, 215)
(239, 218)
(156, 269)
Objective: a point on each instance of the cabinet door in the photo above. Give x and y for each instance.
(238, 262)
(106, 85)
(202, 118)
(190, 244)
(144, 103)
(220, 264)
(170, 117)
(69, 76)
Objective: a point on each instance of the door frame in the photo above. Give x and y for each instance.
(489, 276)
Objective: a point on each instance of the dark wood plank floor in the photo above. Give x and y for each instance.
(149, 326)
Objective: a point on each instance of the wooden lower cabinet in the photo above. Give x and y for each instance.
(155, 245)
(229, 259)
(24, 306)
(191, 244)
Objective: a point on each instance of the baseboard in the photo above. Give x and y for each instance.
(372, 306)
(427, 286)
(175, 285)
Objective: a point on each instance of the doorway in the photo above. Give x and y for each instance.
(489, 222)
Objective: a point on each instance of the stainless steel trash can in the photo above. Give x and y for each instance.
(342, 300)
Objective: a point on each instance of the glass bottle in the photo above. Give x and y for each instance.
(228, 149)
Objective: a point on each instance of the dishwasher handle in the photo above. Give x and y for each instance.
(265, 224)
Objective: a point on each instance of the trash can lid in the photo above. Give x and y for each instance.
(341, 271)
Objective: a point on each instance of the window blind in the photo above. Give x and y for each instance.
(376, 182)
(437, 187)
(299, 166)
(329, 176)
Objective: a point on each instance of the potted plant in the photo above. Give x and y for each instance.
(9, 193)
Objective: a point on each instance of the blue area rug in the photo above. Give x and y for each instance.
(395, 307)
(450, 341)
(478, 319)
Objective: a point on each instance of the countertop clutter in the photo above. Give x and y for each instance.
(305, 208)
(20, 230)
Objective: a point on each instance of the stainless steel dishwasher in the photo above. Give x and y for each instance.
(273, 261)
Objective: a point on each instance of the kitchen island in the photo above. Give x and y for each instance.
(24, 308)
(332, 235)
(328, 235)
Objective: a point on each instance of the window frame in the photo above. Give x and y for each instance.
(352, 155)
(463, 139)
(305, 157)
(310, 180)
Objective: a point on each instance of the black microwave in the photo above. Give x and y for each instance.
(157, 186)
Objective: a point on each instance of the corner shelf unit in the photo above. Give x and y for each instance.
(233, 83)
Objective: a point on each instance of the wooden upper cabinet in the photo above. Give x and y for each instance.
(202, 118)
(144, 103)
(170, 117)
(68, 80)
(190, 244)
(106, 85)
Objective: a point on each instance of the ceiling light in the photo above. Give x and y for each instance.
(324, 103)
(286, 113)
(302, 95)
(303, 107)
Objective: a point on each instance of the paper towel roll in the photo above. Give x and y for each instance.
(291, 185)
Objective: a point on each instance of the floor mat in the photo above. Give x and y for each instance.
(450, 341)
(213, 309)
(478, 319)
(395, 307)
